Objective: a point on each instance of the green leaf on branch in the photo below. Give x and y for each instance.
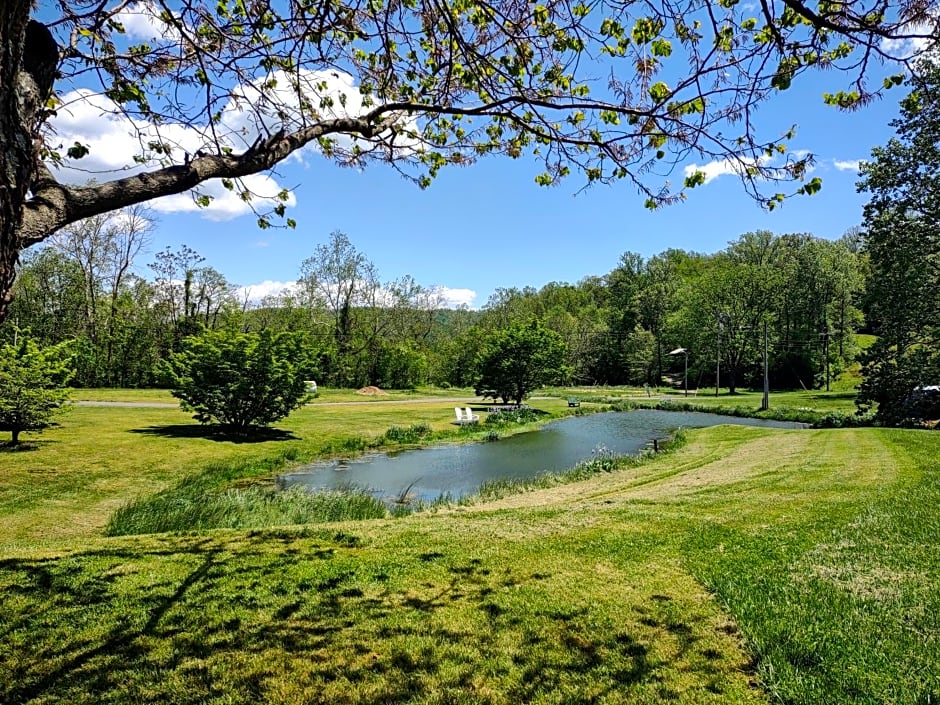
(647, 29)
(842, 99)
(661, 47)
(696, 178)
(811, 187)
(544, 179)
(895, 80)
(659, 91)
(77, 151)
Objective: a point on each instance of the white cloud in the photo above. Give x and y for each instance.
(225, 204)
(254, 293)
(113, 139)
(270, 104)
(454, 298)
(259, 108)
(713, 170)
(910, 47)
(848, 165)
(267, 105)
(722, 167)
(141, 21)
(903, 48)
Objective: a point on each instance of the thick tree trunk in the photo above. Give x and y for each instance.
(17, 152)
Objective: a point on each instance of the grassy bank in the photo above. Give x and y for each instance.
(806, 415)
(212, 499)
(101, 458)
(240, 495)
(747, 566)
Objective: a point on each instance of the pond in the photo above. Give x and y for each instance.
(459, 470)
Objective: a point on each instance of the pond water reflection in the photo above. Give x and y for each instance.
(458, 470)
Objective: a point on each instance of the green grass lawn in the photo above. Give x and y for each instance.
(747, 566)
(162, 396)
(324, 394)
(842, 401)
(99, 458)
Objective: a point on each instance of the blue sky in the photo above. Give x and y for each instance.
(489, 225)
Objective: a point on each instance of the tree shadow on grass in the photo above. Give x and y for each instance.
(22, 446)
(314, 617)
(216, 433)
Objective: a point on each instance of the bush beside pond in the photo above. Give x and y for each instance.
(506, 417)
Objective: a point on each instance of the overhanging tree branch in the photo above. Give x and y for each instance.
(241, 86)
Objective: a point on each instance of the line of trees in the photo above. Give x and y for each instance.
(619, 328)
(615, 328)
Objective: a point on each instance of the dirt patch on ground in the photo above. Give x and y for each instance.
(868, 582)
(371, 391)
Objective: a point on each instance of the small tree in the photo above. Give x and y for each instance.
(31, 381)
(239, 380)
(514, 361)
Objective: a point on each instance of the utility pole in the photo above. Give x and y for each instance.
(766, 402)
(718, 356)
(826, 351)
(685, 376)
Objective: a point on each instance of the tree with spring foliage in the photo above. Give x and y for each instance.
(519, 359)
(31, 381)
(239, 380)
(221, 90)
(902, 238)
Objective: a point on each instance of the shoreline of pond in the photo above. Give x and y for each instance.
(244, 494)
(430, 471)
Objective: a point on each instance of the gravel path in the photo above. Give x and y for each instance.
(168, 405)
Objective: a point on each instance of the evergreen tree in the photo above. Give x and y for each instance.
(31, 381)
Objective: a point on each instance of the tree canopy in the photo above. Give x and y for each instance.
(617, 327)
(226, 89)
(519, 359)
(239, 380)
(31, 381)
(902, 238)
